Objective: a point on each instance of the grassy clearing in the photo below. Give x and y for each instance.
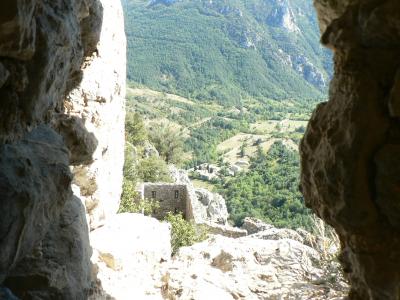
(203, 184)
(230, 149)
(265, 127)
(150, 94)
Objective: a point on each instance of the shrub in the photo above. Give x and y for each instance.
(184, 233)
(328, 245)
(129, 193)
(129, 205)
(135, 130)
(153, 169)
(146, 206)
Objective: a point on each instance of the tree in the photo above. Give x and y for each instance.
(242, 151)
(133, 205)
(269, 191)
(153, 169)
(168, 142)
(129, 193)
(184, 233)
(130, 164)
(135, 129)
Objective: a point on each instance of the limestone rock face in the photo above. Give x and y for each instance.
(179, 176)
(45, 49)
(42, 50)
(214, 204)
(253, 225)
(137, 265)
(224, 230)
(6, 294)
(128, 252)
(350, 165)
(99, 102)
(149, 150)
(278, 234)
(248, 268)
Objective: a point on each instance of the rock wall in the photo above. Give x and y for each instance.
(52, 116)
(350, 152)
(99, 101)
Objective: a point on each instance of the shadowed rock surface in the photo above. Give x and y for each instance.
(350, 152)
(61, 261)
(46, 48)
(34, 186)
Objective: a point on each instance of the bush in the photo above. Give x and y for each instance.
(129, 205)
(327, 243)
(146, 206)
(153, 169)
(184, 233)
(129, 193)
(135, 130)
(168, 142)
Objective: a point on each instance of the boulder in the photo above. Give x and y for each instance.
(214, 206)
(128, 253)
(253, 225)
(224, 230)
(248, 268)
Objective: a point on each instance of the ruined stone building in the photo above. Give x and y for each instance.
(196, 204)
(170, 196)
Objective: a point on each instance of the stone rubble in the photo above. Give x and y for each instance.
(219, 268)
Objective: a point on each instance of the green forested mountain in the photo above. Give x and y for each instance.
(269, 191)
(230, 83)
(227, 50)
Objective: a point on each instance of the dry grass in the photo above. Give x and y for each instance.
(202, 184)
(230, 148)
(270, 126)
(327, 243)
(150, 94)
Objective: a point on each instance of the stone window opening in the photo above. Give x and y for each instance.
(176, 194)
(153, 194)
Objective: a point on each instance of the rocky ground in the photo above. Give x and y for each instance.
(268, 264)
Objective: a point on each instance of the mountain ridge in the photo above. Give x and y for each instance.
(227, 51)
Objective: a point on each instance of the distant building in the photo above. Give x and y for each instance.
(235, 169)
(207, 171)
